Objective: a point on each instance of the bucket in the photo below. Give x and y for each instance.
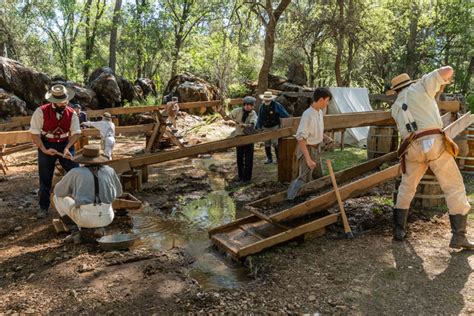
(381, 140)
(465, 159)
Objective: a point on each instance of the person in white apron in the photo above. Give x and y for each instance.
(107, 133)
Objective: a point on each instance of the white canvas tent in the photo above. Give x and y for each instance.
(347, 100)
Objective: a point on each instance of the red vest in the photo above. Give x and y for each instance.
(56, 131)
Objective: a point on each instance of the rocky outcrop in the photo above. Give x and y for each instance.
(11, 105)
(25, 83)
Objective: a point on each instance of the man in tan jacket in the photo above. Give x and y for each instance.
(424, 145)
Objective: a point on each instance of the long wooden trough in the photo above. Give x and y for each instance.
(257, 232)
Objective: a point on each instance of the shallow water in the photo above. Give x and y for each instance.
(187, 227)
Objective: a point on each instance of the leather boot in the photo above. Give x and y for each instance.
(458, 228)
(69, 224)
(399, 223)
(268, 152)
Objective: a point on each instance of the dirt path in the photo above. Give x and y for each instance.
(368, 275)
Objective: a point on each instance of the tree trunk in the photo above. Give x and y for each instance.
(113, 36)
(177, 49)
(268, 58)
(411, 43)
(310, 57)
(88, 48)
(467, 80)
(270, 27)
(339, 44)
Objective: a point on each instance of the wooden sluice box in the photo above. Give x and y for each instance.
(276, 220)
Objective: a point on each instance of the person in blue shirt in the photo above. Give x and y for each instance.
(269, 116)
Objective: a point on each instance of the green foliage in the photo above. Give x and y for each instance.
(470, 102)
(222, 41)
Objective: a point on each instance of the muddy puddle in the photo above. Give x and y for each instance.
(187, 223)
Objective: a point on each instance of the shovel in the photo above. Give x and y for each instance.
(296, 185)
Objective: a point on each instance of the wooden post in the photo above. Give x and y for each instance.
(287, 162)
(131, 181)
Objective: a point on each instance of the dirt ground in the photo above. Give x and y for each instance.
(370, 274)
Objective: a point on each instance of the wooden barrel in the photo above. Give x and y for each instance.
(381, 140)
(465, 141)
(428, 193)
(287, 163)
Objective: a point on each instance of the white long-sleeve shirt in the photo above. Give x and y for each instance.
(106, 128)
(311, 126)
(420, 98)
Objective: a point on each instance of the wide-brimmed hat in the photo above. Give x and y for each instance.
(91, 156)
(267, 96)
(399, 82)
(59, 94)
(107, 116)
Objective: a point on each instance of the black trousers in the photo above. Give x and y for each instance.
(46, 165)
(245, 162)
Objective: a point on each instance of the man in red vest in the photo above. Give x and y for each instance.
(54, 130)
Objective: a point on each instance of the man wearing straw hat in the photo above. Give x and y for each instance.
(84, 195)
(54, 129)
(269, 116)
(107, 133)
(425, 145)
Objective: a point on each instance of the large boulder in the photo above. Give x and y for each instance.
(127, 90)
(190, 88)
(147, 87)
(27, 84)
(11, 105)
(296, 74)
(105, 85)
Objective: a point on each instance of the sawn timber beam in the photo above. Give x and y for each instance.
(150, 159)
(18, 137)
(25, 120)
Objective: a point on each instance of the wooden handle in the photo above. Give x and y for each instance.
(347, 228)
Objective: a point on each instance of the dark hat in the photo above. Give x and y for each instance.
(91, 156)
(249, 100)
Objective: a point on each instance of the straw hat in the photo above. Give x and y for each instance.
(107, 116)
(267, 96)
(399, 82)
(91, 156)
(59, 94)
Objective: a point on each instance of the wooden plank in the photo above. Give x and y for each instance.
(240, 221)
(25, 120)
(119, 203)
(17, 137)
(10, 125)
(455, 128)
(347, 120)
(328, 199)
(152, 139)
(446, 119)
(120, 165)
(318, 184)
(287, 235)
(173, 139)
(16, 149)
(149, 159)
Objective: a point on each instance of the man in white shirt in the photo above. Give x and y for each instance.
(424, 145)
(107, 133)
(54, 129)
(310, 133)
